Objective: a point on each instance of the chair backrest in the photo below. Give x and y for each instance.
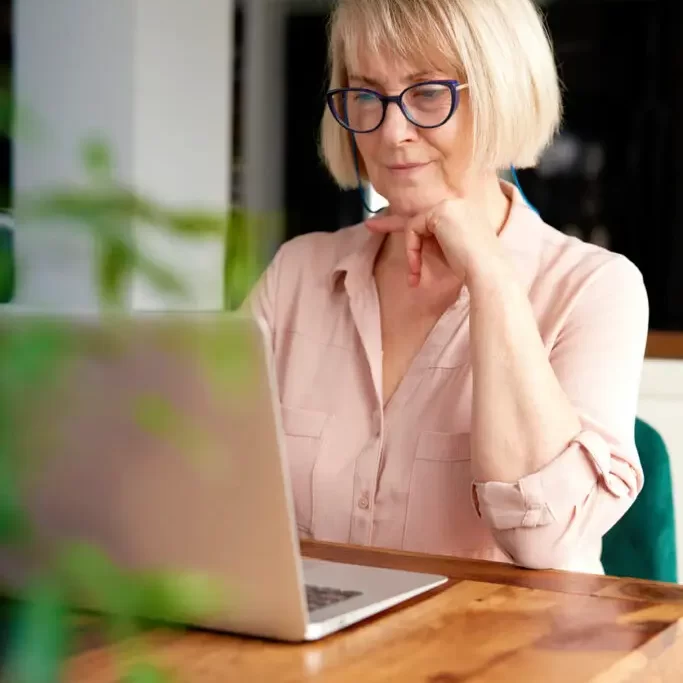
(642, 544)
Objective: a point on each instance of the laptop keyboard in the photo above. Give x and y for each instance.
(320, 596)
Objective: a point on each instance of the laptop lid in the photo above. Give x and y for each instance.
(157, 438)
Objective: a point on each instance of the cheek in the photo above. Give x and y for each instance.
(367, 147)
(449, 139)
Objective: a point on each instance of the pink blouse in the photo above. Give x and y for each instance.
(400, 477)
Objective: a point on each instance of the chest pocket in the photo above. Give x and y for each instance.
(441, 517)
(303, 442)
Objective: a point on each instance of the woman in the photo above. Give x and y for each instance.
(456, 376)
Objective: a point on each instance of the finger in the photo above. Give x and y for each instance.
(414, 255)
(419, 225)
(386, 224)
(416, 230)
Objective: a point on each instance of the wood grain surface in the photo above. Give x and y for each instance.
(662, 344)
(490, 623)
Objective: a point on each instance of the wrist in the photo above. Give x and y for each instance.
(489, 272)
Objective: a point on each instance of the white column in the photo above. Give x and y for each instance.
(182, 95)
(154, 79)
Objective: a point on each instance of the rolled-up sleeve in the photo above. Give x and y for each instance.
(550, 518)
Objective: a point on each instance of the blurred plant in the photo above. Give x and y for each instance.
(111, 213)
(44, 630)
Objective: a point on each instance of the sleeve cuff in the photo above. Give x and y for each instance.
(544, 496)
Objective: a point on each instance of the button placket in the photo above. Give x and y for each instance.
(379, 459)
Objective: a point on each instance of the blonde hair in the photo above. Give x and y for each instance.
(500, 48)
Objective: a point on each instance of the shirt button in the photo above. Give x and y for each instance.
(363, 503)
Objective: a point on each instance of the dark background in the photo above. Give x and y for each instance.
(312, 199)
(621, 62)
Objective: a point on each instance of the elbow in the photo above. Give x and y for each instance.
(538, 559)
(538, 548)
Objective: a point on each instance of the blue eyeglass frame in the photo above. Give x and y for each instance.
(454, 86)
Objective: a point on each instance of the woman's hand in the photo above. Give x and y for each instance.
(462, 232)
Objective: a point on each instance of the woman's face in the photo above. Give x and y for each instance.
(413, 168)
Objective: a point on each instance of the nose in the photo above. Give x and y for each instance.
(396, 128)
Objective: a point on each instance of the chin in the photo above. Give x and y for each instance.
(413, 201)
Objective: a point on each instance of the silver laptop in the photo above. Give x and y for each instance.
(158, 438)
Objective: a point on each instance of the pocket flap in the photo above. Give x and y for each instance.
(300, 422)
(443, 446)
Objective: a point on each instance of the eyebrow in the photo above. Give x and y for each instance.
(412, 78)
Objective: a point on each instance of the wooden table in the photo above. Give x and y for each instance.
(666, 345)
(491, 622)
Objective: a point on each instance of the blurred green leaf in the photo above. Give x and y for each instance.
(92, 208)
(6, 199)
(145, 672)
(109, 213)
(247, 245)
(94, 581)
(114, 268)
(27, 126)
(40, 640)
(154, 413)
(113, 204)
(180, 597)
(197, 223)
(159, 276)
(32, 353)
(240, 279)
(97, 159)
(227, 361)
(6, 112)
(16, 120)
(7, 272)
(15, 527)
(159, 417)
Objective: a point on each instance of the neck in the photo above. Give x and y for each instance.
(485, 193)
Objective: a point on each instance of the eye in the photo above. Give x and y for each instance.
(364, 98)
(430, 92)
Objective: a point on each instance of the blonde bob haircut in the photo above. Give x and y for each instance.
(500, 48)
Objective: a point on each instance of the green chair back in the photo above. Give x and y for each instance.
(642, 544)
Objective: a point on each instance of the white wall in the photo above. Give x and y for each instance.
(154, 77)
(182, 134)
(73, 68)
(661, 405)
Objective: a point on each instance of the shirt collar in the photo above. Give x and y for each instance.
(356, 264)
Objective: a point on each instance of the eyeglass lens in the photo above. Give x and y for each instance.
(427, 105)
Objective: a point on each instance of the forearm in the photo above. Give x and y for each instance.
(557, 515)
(521, 417)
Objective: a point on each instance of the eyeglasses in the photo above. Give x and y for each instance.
(427, 105)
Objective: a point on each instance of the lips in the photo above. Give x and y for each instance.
(406, 167)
